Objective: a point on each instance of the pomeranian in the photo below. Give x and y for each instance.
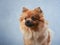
(34, 27)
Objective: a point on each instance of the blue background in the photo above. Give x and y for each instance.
(10, 11)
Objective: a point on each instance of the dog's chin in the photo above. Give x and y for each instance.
(31, 25)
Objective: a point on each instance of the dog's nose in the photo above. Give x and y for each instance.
(28, 23)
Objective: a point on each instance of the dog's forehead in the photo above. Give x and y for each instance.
(32, 12)
(29, 12)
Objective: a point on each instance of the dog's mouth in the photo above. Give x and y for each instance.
(30, 24)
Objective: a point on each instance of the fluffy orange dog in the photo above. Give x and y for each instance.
(34, 27)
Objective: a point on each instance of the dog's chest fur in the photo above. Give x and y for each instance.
(35, 37)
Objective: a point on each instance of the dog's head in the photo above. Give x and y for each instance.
(32, 18)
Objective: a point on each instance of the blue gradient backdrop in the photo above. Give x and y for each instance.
(10, 11)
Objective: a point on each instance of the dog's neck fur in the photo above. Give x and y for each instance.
(36, 34)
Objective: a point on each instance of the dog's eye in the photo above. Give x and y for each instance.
(25, 18)
(33, 18)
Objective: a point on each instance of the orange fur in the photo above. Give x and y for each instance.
(39, 34)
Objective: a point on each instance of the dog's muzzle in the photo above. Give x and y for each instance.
(29, 23)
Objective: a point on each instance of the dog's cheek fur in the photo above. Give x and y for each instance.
(23, 28)
(21, 19)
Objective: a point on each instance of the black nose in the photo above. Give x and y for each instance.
(28, 23)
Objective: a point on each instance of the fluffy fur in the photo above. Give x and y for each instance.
(39, 34)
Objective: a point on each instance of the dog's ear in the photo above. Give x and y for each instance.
(25, 9)
(38, 9)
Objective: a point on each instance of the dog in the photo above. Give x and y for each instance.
(34, 27)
